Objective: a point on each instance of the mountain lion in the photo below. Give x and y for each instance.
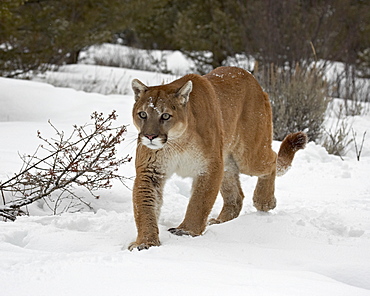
(210, 128)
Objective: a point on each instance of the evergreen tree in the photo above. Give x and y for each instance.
(275, 32)
(42, 32)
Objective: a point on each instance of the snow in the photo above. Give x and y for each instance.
(124, 56)
(316, 242)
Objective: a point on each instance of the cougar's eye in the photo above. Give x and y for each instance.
(142, 115)
(165, 116)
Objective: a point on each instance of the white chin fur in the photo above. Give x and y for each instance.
(154, 144)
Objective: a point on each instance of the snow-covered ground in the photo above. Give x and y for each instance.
(316, 242)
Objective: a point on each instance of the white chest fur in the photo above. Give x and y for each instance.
(189, 162)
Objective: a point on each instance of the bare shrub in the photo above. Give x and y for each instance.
(348, 85)
(336, 139)
(87, 158)
(298, 98)
(339, 136)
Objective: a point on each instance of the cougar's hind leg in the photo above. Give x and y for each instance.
(231, 192)
(264, 199)
(264, 193)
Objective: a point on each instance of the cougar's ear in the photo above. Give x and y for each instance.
(138, 87)
(184, 92)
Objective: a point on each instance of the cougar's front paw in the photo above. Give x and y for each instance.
(142, 246)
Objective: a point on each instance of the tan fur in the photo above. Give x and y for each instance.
(220, 125)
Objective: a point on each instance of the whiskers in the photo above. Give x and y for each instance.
(172, 147)
(129, 144)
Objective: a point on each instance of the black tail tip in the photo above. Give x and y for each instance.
(297, 140)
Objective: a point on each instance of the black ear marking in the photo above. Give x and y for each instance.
(138, 87)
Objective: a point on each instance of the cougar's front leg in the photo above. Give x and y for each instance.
(147, 200)
(204, 192)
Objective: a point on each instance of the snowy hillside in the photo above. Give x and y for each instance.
(316, 241)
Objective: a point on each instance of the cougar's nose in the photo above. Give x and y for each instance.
(151, 137)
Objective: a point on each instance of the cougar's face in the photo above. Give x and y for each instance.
(159, 114)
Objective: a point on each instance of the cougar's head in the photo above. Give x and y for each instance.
(160, 112)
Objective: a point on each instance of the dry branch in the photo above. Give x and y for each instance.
(87, 158)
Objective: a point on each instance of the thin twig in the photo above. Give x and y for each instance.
(358, 151)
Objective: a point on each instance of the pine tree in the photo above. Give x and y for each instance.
(37, 33)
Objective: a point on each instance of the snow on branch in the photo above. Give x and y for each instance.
(86, 158)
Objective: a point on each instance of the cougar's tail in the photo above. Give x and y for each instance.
(290, 145)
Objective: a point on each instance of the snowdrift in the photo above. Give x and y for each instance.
(316, 242)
